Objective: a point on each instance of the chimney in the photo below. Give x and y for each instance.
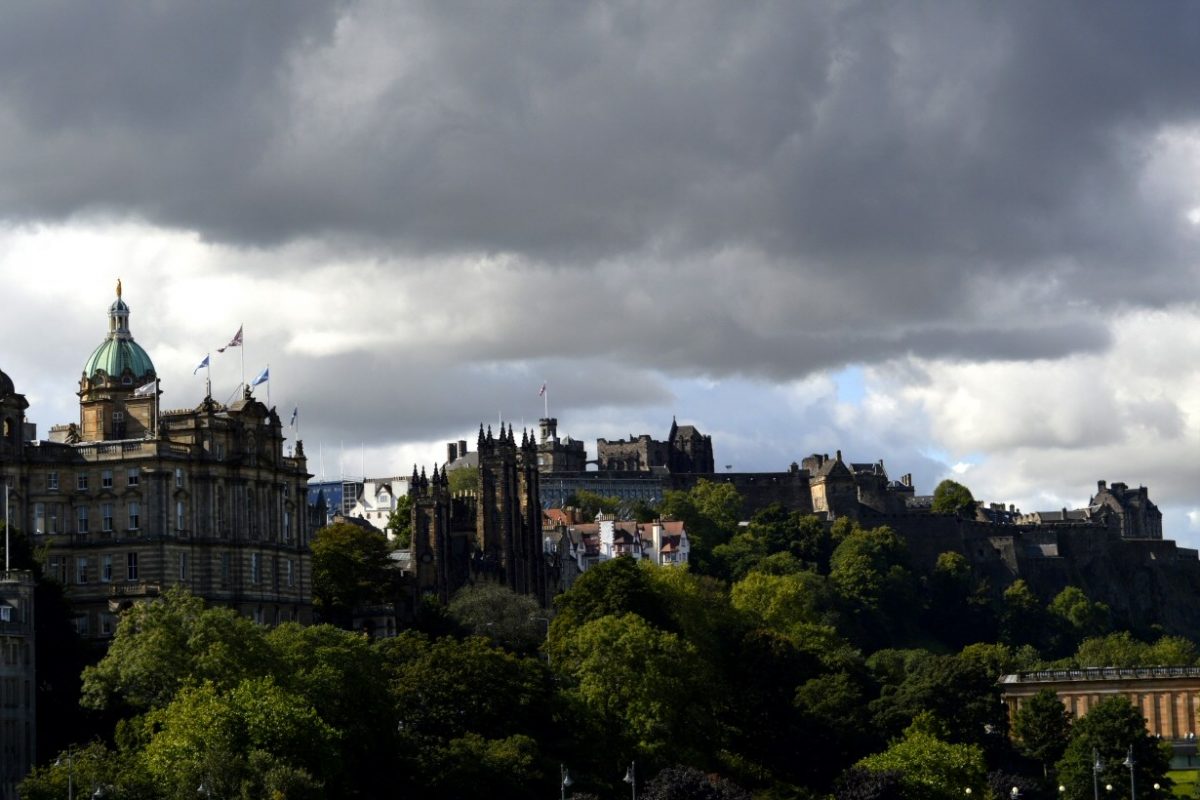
(1101, 485)
(451, 451)
(656, 535)
(462, 447)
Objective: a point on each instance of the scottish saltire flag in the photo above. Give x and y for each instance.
(201, 365)
(295, 416)
(263, 377)
(148, 389)
(236, 341)
(542, 391)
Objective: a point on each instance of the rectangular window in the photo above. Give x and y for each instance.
(82, 517)
(106, 624)
(106, 479)
(183, 566)
(291, 578)
(81, 481)
(81, 570)
(134, 476)
(39, 517)
(178, 477)
(106, 517)
(254, 568)
(224, 567)
(51, 481)
(287, 526)
(58, 569)
(5, 614)
(131, 567)
(106, 569)
(134, 516)
(52, 523)
(179, 515)
(81, 624)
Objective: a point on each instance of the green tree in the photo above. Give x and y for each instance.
(351, 566)
(399, 524)
(870, 569)
(513, 621)
(930, 768)
(1041, 728)
(1023, 620)
(164, 645)
(343, 676)
(782, 602)
(228, 740)
(682, 782)
(1077, 617)
(1110, 729)
(615, 587)
(710, 512)
(960, 694)
(626, 672)
(951, 497)
(592, 503)
(463, 479)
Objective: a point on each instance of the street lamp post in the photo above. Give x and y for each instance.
(70, 770)
(1097, 768)
(565, 780)
(1129, 763)
(631, 779)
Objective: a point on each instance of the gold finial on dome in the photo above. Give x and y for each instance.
(118, 287)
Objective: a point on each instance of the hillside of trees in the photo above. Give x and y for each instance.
(793, 660)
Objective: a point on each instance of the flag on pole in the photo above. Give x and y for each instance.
(236, 341)
(145, 391)
(201, 365)
(542, 391)
(263, 377)
(295, 416)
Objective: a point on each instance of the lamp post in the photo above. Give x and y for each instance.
(70, 755)
(1097, 768)
(565, 780)
(1129, 763)
(631, 779)
(1015, 794)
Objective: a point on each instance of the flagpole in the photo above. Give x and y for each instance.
(546, 400)
(268, 370)
(208, 375)
(242, 353)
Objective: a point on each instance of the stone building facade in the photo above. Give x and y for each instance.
(133, 499)
(18, 681)
(1168, 697)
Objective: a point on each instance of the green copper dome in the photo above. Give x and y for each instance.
(119, 351)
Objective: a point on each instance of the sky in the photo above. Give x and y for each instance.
(962, 238)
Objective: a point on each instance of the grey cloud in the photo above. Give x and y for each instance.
(869, 165)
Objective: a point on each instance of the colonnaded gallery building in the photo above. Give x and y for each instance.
(133, 499)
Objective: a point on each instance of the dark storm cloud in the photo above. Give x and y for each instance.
(873, 165)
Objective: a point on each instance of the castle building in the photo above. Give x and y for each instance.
(686, 450)
(133, 499)
(557, 455)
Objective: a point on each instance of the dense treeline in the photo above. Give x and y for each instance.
(794, 660)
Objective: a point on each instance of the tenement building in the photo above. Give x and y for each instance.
(132, 499)
(18, 680)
